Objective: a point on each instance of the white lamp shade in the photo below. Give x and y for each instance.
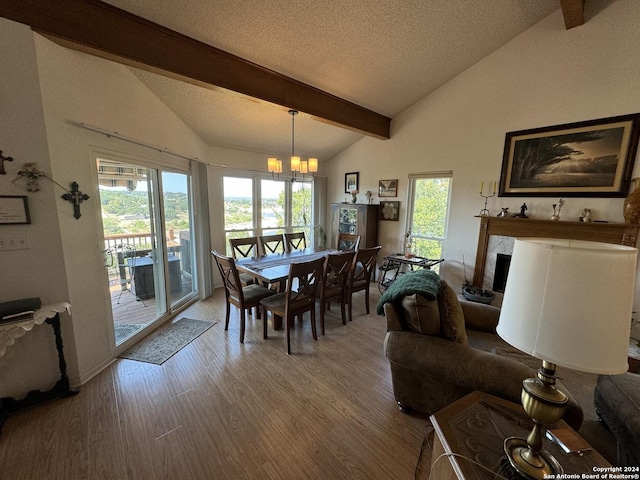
(304, 166)
(279, 167)
(295, 164)
(570, 303)
(313, 165)
(272, 164)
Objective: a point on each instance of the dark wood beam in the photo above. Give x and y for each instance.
(104, 30)
(573, 12)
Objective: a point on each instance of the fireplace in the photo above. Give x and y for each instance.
(497, 236)
(501, 272)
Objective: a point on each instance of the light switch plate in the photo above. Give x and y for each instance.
(14, 242)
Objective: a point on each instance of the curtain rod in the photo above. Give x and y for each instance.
(137, 142)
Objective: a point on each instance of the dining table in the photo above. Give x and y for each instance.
(273, 268)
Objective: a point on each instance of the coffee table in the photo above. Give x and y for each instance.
(474, 428)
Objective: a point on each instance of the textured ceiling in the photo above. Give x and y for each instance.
(384, 55)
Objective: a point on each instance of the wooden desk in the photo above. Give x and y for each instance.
(475, 427)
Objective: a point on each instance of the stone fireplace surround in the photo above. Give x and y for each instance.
(497, 235)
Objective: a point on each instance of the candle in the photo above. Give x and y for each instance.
(494, 188)
(481, 187)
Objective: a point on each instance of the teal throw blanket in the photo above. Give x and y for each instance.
(421, 282)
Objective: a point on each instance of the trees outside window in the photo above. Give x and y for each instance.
(428, 214)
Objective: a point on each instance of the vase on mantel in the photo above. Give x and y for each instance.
(631, 207)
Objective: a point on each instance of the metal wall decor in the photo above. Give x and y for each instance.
(2, 160)
(76, 197)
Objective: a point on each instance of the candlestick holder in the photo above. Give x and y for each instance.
(485, 212)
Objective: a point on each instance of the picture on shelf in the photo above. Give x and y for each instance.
(388, 188)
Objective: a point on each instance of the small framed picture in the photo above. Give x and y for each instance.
(388, 188)
(351, 181)
(14, 210)
(389, 210)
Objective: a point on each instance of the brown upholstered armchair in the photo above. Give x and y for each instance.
(441, 350)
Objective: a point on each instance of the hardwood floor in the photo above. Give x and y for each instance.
(219, 409)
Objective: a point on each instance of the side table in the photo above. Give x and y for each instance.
(475, 427)
(9, 332)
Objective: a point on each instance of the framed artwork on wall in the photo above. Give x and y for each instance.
(388, 188)
(389, 210)
(351, 181)
(14, 210)
(585, 159)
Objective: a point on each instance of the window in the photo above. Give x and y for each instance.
(428, 212)
(260, 206)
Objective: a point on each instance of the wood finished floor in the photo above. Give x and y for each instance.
(219, 409)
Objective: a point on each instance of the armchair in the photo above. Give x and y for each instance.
(440, 350)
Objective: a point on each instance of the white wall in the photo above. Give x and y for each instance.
(47, 92)
(38, 271)
(546, 76)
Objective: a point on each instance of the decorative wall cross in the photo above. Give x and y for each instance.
(76, 197)
(2, 160)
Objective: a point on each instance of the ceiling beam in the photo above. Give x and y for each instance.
(101, 29)
(573, 12)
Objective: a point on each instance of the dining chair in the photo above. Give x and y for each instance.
(243, 248)
(363, 267)
(295, 302)
(337, 267)
(271, 244)
(348, 242)
(295, 241)
(243, 297)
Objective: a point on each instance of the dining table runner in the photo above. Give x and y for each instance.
(261, 263)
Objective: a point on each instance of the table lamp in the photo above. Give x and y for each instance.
(567, 303)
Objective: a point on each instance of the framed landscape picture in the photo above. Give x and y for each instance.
(388, 188)
(351, 181)
(586, 159)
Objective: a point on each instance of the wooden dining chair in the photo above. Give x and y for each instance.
(271, 244)
(243, 248)
(337, 267)
(362, 269)
(243, 297)
(295, 241)
(348, 242)
(295, 302)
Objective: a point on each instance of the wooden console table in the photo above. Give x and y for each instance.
(10, 332)
(475, 427)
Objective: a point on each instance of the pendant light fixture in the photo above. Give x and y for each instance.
(298, 165)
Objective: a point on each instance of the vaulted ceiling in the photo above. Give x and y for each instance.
(349, 66)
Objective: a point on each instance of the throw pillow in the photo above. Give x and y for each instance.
(451, 316)
(421, 315)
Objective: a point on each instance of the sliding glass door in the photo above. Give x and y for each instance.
(148, 243)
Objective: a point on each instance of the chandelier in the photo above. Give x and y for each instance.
(298, 165)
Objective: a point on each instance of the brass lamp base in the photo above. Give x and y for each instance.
(545, 405)
(517, 451)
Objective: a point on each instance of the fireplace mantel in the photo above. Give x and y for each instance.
(620, 233)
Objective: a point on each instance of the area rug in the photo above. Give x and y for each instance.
(125, 330)
(160, 346)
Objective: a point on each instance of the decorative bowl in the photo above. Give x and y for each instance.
(480, 295)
